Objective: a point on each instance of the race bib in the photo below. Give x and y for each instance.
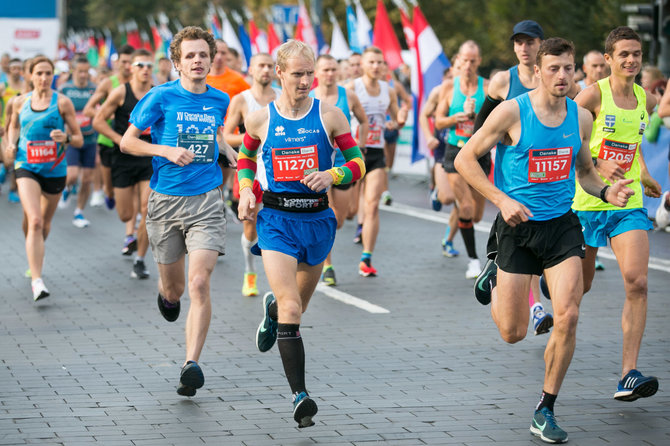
(465, 129)
(294, 163)
(375, 131)
(41, 151)
(548, 165)
(202, 145)
(618, 151)
(83, 120)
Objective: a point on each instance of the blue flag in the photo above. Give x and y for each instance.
(352, 33)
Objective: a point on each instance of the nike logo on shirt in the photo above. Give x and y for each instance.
(206, 108)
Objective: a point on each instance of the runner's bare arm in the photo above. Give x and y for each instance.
(499, 123)
(664, 105)
(359, 113)
(101, 92)
(442, 118)
(398, 115)
(651, 187)
(66, 108)
(13, 128)
(234, 118)
(425, 114)
(106, 111)
(499, 86)
(618, 194)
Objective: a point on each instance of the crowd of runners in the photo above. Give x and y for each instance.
(299, 144)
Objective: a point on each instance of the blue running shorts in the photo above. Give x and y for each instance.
(307, 236)
(598, 226)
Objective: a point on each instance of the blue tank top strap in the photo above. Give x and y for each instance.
(343, 102)
(516, 88)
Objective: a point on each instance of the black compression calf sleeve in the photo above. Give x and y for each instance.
(292, 354)
(484, 112)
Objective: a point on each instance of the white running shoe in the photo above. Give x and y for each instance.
(79, 221)
(474, 268)
(662, 214)
(97, 199)
(39, 289)
(64, 201)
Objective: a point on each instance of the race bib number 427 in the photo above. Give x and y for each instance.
(548, 165)
(41, 151)
(294, 163)
(202, 145)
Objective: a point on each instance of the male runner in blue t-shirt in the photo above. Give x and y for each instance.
(185, 211)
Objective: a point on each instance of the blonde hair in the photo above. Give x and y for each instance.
(293, 48)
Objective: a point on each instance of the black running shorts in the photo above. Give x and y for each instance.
(450, 153)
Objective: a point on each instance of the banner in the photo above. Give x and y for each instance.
(30, 28)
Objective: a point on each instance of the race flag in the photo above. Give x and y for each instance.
(133, 35)
(338, 44)
(273, 41)
(102, 50)
(146, 42)
(228, 33)
(364, 28)
(244, 39)
(324, 48)
(304, 30)
(352, 26)
(92, 53)
(385, 39)
(165, 32)
(259, 40)
(111, 49)
(156, 36)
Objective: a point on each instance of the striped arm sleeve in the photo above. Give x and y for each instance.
(246, 161)
(354, 168)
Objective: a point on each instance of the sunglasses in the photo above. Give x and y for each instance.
(143, 64)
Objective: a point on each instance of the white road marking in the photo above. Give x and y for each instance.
(485, 226)
(350, 300)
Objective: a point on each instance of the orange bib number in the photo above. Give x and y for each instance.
(41, 151)
(374, 134)
(295, 163)
(618, 151)
(465, 129)
(548, 165)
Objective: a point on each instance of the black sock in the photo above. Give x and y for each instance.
(468, 234)
(292, 354)
(272, 310)
(546, 400)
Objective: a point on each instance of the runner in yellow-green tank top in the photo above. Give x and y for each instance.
(620, 109)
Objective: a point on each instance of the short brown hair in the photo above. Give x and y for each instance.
(40, 59)
(191, 33)
(554, 46)
(617, 34)
(325, 57)
(141, 52)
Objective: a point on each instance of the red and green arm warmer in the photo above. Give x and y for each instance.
(246, 161)
(354, 168)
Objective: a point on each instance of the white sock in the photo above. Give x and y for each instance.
(77, 211)
(139, 259)
(248, 256)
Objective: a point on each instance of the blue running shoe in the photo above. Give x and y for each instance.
(485, 282)
(542, 322)
(544, 287)
(266, 335)
(448, 249)
(304, 408)
(3, 173)
(191, 379)
(110, 202)
(13, 197)
(635, 385)
(434, 202)
(599, 265)
(544, 426)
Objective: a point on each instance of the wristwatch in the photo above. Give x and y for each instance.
(339, 172)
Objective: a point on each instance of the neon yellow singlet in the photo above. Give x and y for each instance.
(617, 134)
(102, 139)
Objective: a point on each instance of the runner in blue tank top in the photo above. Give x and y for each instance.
(545, 141)
(185, 210)
(36, 141)
(291, 146)
(342, 198)
(455, 113)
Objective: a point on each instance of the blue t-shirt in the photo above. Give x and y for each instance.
(176, 117)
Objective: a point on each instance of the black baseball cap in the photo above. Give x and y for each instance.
(529, 28)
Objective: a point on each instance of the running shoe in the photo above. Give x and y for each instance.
(39, 289)
(542, 321)
(169, 310)
(97, 199)
(486, 282)
(79, 221)
(249, 287)
(474, 268)
(304, 408)
(358, 238)
(663, 213)
(129, 245)
(110, 202)
(448, 249)
(434, 202)
(366, 269)
(599, 265)
(13, 197)
(266, 334)
(635, 385)
(64, 200)
(544, 426)
(139, 270)
(544, 287)
(191, 379)
(328, 276)
(387, 199)
(3, 173)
